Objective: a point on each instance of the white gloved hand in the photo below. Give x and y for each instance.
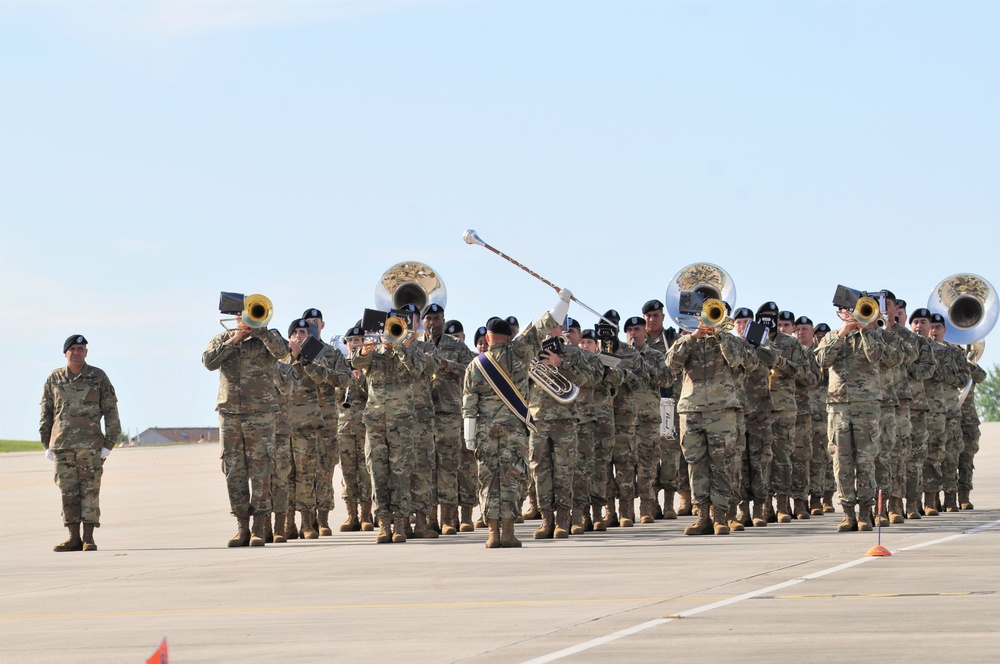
(565, 295)
(470, 444)
(561, 307)
(469, 431)
(105, 453)
(50, 455)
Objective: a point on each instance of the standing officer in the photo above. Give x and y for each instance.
(74, 401)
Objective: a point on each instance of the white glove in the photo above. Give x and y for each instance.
(561, 307)
(565, 295)
(50, 455)
(105, 453)
(469, 429)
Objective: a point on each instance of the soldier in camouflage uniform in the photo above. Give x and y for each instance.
(802, 451)
(492, 428)
(852, 355)
(820, 464)
(356, 483)
(914, 412)
(970, 436)
(390, 370)
(935, 390)
(954, 443)
(74, 401)
(670, 477)
(248, 400)
(708, 406)
(453, 358)
(283, 469)
(755, 455)
(583, 472)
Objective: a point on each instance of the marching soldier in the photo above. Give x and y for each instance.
(913, 414)
(355, 480)
(954, 443)
(283, 469)
(670, 477)
(756, 455)
(970, 436)
(935, 389)
(802, 452)
(820, 465)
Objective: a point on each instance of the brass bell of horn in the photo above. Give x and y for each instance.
(410, 282)
(969, 305)
(866, 310)
(705, 278)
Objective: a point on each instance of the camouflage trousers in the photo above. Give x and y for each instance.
(327, 456)
(671, 476)
(904, 439)
(281, 475)
(448, 446)
(247, 443)
(888, 446)
(604, 443)
(468, 478)
(970, 435)
(621, 471)
(953, 446)
(707, 439)
(821, 480)
(553, 450)
(388, 454)
(423, 464)
(916, 454)
(647, 439)
(934, 457)
(583, 475)
(78, 473)
(502, 448)
(853, 430)
(801, 457)
(782, 443)
(356, 484)
(305, 458)
(756, 457)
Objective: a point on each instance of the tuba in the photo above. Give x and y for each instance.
(708, 280)
(410, 282)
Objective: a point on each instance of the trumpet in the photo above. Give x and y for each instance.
(254, 310)
(396, 331)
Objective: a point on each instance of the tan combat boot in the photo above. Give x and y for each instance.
(668, 505)
(88, 537)
(268, 533)
(561, 530)
(493, 539)
(734, 524)
(815, 505)
(963, 500)
(432, 520)
(784, 512)
(74, 543)
(646, 511)
(801, 509)
(351, 523)
(599, 523)
(366, 521)
(257, 530)
(896, 510)
(323, 520)
(950, 505)
(465, 524)
(684, 508)
(291, 531)
(913, 508)
(930, 497)
(610, 515)
(427, 531)
(278, 532)
(384, 531)
(769, 514)
(399, 525)
(507, 539)
(703, 526)
(759, 520)
(548, 526)
(828, 507)
(242, 536)
(626, 510)
(719, 521)
(308, 529)
(743, 513)
(850, 521)
(578, 523)
(532, 512)
(866, 518)
(449, 520)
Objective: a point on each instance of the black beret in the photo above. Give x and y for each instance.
(938, 318)
(571, 323)
(743, 312)
(803, 320)
(822, 328)
(356, 331)
(767, 308)
(923, 312)
(786, 315)
(652, 305)
(589, 334)
(480, 333)
(453, 327)
(297, 324)
(889, 295)
(633, 321)
(312, 313)
(901, 303)
(75, 339)
(433, 308)
(499, 326)
(613, 315)
(512, 321)
(408, 308)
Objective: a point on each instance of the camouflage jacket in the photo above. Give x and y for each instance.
(892, 359)
(72, 409)
(339, 376)
(576, 368)
(969, 414)
(853, 363)
(707, 365)
(389, 373)
(792, 366)
(597, 401)
(304, 410)
(904, 390)
(426, 358)
(942, 388)
(817, 395)
(806, 381)
(357, 394)
(961, 375)
(246, 371)
(635, 375)
(659, 342)
(920, 370)
(446, 389)
(745, 374)
(284, 380)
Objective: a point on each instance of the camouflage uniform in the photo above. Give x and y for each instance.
(920, 370)
(327, 447)
(954, 444)
(647, 430)
(939, 390)
(621, 473)
(604, 435)
(502, 440)
(70, 425)
(423, 468)
(970, 435)
(790, 368)
(900, 433)
(821, 479)
(756, 456)
(853, 398)
(356, 483)
(801, 455)
(670, 477)
(283, 470)
(888, 447)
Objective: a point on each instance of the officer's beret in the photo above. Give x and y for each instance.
(433, 308)
(613, 316)
(356, 331)
(822, 328)
(767, 308)
(408, 308)
(312, 313)
(589, 334)
(633, 321)
(297, 324)
(743, 312)
(923, 312)
(938, 318)
(480, 333)
(786, 315)
(652, 305)
(499, 326)
(803, 320)
(571, 323)
(512, 321)
(75, 339)
(453, 327)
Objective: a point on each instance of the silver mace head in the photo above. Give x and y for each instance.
(471, 238)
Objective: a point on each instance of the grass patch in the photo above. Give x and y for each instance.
(20, 446)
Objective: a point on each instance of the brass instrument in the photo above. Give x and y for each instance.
(714, 284)
(713, 314)
(409, 282)
(396, 331)
(256, 310)
(866, 310)
(554, 383)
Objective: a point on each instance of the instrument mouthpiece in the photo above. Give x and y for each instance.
(470, 237)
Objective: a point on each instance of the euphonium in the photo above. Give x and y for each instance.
(549, 379)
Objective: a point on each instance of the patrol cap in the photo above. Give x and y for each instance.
(453, 327)
(938, 319)
(512, 321)
(589, 334)
(499, 326)
(480, 333)
(312, 313)
(767, 308)
(822, 328)
(613, 315)
(74, 339)
(297, 324)
(922, 312)
(786, 316)
(634, 321)
(356, 331)
(571, 324)
(433, 308)
(743, 312)
(652, 305)
(803, 320)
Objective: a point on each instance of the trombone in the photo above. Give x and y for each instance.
(254, 310)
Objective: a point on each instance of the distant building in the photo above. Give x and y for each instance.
(164, 436)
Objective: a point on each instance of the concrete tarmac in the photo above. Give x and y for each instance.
(796, 592)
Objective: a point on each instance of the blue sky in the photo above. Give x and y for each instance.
(154, 154)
